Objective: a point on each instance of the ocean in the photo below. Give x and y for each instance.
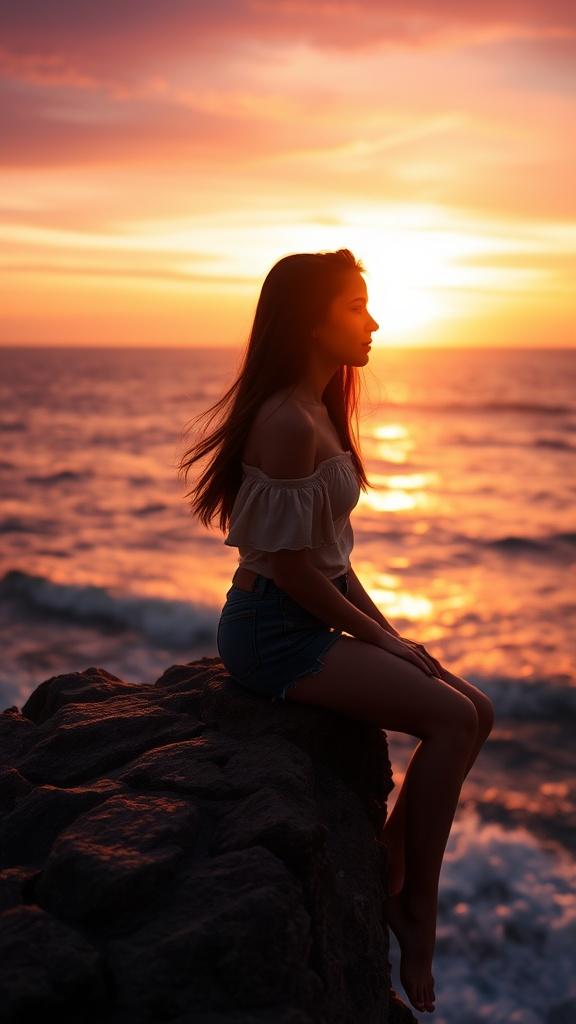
(466, 541)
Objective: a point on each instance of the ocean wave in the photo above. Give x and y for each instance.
(181, 624)
(163, 621)
(63, 476)
(471, 407)
(507, 926)
(552, 543)
(554, 442)
(552, 698)
(500, 441)
(482, 407)
(13, 426)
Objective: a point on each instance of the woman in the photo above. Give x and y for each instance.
(285, 477)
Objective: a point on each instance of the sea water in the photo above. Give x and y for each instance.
(466, 541)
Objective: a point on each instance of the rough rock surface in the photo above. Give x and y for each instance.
(188, 852)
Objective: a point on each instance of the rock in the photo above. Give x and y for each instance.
(45, 965)
(188, 852)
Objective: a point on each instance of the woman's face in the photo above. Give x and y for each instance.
(346, 334)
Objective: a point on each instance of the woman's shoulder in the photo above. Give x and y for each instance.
(279, 423)
(283, 408)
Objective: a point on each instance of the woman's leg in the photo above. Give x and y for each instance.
(393, 833)
(369, 683)
(429, 812)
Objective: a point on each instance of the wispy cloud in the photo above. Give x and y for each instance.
(138, 134)
(116, 42)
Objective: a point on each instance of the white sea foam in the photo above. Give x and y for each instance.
(507, 928)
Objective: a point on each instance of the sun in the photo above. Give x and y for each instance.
(411, 258)
(401, 308)
(405, 271)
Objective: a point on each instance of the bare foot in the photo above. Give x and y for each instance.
(416, 935)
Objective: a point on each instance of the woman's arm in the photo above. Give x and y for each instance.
(359, 597)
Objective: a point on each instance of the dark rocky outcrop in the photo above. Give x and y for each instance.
(188, 852)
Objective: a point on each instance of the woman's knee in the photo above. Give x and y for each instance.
(483, 704)
(485, 709)
(463, 721)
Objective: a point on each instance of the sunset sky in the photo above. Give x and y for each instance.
(158, 158)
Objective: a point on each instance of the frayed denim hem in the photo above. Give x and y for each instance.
(317, 666)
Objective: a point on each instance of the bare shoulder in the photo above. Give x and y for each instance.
(282, 439)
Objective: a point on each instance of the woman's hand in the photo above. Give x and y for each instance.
(409, 650)
(433, 662)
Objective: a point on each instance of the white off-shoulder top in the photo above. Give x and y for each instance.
(312, 511)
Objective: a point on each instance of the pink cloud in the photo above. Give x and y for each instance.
(229, 85)
(59, 129)
(82, 45)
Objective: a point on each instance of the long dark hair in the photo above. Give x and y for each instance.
(294, 298)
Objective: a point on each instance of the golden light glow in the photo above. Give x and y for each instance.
(390, 431)
(147, 191)
(395, 443)
(392, 454)
(404, 267)
(411, 481)
(403, 604)
(397, 493)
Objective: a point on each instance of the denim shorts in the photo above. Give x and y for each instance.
(266, 640)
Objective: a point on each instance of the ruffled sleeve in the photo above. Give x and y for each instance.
(270, 513)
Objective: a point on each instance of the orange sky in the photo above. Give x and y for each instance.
(158, 158)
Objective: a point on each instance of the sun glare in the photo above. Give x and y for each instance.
(404, 269)
(416, 266)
